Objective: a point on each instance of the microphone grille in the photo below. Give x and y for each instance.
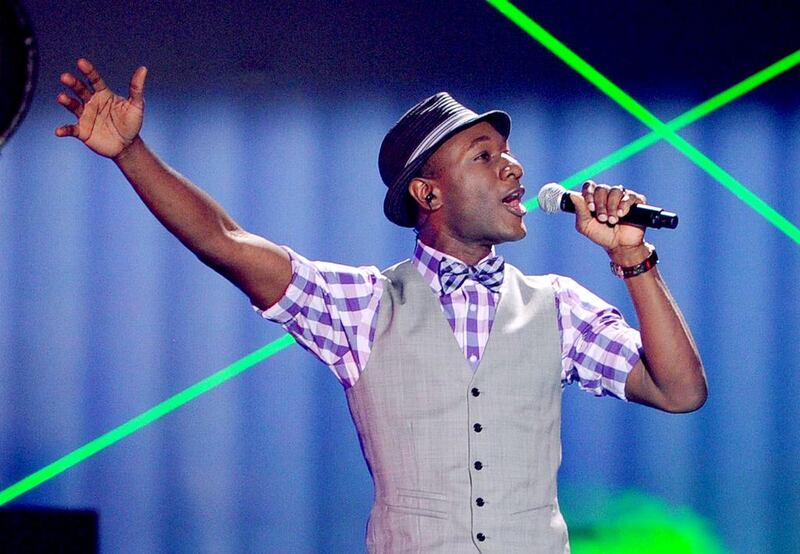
(550, 197)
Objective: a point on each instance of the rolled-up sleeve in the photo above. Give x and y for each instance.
(598, 347)
(330, 310)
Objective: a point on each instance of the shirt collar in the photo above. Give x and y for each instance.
(426, 259)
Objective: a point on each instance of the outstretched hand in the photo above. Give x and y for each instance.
(107, 123)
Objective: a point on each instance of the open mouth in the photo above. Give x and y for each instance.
(513, 202)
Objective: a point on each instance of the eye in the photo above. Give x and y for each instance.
(484, 156)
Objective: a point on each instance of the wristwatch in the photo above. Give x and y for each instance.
(634, 270)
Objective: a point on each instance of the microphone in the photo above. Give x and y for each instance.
(554, 198)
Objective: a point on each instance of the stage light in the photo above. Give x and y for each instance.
(19, 62)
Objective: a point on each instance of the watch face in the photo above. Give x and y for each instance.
(19, 62)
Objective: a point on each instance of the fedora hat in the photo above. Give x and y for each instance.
(414, 139)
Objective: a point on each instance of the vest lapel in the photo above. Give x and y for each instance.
(442, 330)
(499, 322)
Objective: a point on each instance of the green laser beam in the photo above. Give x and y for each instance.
(687, 118)
(132, 425)
(104, 441)
(583, 68)
(701, 110)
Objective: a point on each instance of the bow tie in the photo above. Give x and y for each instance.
(453, 273)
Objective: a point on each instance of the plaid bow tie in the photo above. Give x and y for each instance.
(489, 273)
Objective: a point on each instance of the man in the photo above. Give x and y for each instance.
(462, 438)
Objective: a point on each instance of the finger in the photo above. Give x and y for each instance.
(136, 89)
(628, 200)
(77, 86)
(615, 195)
(67, 131)
(70, 103)
(587, 191)
(88, 69)
(600, 198)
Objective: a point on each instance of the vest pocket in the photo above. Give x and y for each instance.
(531, 511)
(424, 495)
(417, 511)
(404, 529)
(542, 528)
(418, 502)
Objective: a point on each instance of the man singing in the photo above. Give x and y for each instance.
(453, 362)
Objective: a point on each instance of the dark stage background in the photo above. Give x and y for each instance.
(278, 109)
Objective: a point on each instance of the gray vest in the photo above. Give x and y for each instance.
(462, 462)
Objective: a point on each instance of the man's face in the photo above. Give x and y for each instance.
(480, 189)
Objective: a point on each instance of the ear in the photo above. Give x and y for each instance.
(421, 189)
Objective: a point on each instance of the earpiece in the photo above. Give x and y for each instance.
(429, 198)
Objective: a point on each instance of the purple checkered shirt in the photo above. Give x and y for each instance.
(332, 310)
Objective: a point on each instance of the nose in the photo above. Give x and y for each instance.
(511, 167)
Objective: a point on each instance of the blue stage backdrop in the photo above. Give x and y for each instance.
(278, 112)
(103, 314)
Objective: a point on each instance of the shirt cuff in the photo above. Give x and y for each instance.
(287, 307)
(631, 351)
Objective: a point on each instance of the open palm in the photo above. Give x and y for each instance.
(107, 123)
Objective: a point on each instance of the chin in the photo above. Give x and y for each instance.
(519, 236)
(520, 232)
(514, 235)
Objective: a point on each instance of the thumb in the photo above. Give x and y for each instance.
(136, 89)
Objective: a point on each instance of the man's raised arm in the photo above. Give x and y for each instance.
(671, 376)
(109, 125)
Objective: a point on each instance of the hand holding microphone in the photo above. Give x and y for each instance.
(612, 217)
(554, 198)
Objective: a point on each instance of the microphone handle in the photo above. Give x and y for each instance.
(642, 215)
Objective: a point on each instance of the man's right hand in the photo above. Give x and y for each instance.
(107, 123)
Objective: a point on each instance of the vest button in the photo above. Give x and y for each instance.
(478, 465)
(475, 391)
(478, 427)
(481, 537)
(480, 501)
